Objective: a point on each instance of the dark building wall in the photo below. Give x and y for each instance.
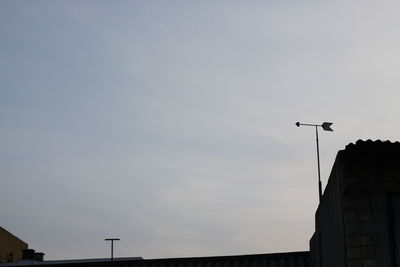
(10, 247)
(372, 175)
(357, 215)
(328, 241)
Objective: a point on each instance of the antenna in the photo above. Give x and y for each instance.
(112, 246)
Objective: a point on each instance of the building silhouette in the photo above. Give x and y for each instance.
(10, 247)
(357, 223)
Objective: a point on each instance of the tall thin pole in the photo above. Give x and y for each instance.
(319, 169)
(112, 246)
(326, 126)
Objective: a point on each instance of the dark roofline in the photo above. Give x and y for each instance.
(19, 239)
(236, 257)
(137, 261)
(370, 146)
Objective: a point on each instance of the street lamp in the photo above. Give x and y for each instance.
(327, 127)
(112, 246)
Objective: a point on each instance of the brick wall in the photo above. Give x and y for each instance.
(10, 247)
(363, 182)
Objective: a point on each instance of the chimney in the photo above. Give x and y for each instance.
(27, 254)
(38, 256)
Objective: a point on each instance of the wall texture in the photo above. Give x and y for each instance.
(10, 247)
(355, 222)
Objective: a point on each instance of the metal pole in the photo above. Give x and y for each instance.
(112, 250)
(319, 169)
(112, 246)
(326, 126)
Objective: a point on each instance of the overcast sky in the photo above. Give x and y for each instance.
(170, 124)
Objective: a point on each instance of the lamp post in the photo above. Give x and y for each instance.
(326, 126)
(112, 246)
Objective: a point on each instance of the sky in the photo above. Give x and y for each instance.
(171, 124)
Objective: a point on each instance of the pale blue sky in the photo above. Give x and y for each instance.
(170, 124)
